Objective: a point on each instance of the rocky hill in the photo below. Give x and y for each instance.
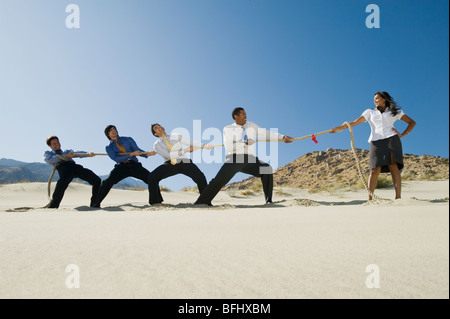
(14, 174)
(337, 168)
(12, 171)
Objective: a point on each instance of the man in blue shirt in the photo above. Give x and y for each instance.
(68, 170)
(122, 150)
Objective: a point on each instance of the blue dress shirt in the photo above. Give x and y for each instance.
(130, 146)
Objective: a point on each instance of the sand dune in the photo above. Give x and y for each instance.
(303, 246)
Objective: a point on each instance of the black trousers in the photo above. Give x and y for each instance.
(119, 172)
(67, 172)
(247, 164)
(166, 170)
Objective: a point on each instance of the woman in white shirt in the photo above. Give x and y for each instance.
(385, 150)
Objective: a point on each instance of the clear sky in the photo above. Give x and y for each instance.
(299, 66)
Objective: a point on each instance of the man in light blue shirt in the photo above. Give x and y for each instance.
(68, 170)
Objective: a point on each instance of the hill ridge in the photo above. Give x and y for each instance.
(335, 167)
(12, 171)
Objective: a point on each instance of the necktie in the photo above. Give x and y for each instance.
(244, 135)
(121, 148)
(173, 161)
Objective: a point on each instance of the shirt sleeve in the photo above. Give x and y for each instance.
(115, 155)
(399, 115)
(366, 114)
(51, 158)
(188, 142)
(257, 132)
(182, 140)
(134, 147)
(267, 135)
(79, 152)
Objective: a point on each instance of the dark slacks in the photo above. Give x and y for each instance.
(247, 164)
(166, 170)
(67, 172)
(119, 172)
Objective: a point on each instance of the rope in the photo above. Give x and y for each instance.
(49, 186)
(146, 153)
(310, 136)
(295, 139)
(358, 164)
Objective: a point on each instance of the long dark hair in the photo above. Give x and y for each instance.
(390, 102)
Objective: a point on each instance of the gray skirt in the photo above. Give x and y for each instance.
(380, 153)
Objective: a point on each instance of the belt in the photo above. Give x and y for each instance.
(127, 162)
(180, 160)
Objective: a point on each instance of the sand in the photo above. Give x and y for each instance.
(304, 246)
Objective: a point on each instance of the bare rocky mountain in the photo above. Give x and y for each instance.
(12, 171)
(337, 168)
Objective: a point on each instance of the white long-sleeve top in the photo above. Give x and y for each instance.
(234, 140)
(177, 142)
(381, 124)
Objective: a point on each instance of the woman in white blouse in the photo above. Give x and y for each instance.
(385, 151)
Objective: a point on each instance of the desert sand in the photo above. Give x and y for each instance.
(303, 246)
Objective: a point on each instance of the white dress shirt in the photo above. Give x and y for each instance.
(381, 124)
(233, 137)
(177, 142)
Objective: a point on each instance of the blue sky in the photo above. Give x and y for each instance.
(300, 66)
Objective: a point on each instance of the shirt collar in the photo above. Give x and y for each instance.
(113, 142)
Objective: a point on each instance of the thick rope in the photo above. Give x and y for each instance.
(310, 136)
(358, 165)
(49, 186)
(294, 139)
(144, 153)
